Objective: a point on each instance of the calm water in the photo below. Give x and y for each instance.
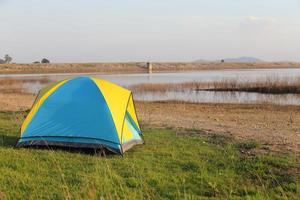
(178, 77)
(219, 97)
(128, 80)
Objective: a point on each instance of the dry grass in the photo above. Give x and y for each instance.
(72, 68)
(164, 87)
(219, 66)
(137, 67)
(16, 101)
(13, 81)
(16, 86)
(268, 85)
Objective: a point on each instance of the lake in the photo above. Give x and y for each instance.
(128, 80)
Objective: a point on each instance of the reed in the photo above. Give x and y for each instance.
(268, 85)
(17, 86)
(164, 87)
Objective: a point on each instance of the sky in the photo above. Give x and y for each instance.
(152, 30)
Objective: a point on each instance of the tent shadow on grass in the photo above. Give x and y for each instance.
(11, 141)
(87, 151)
(8, 141)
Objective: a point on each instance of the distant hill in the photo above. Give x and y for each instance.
(236, 60)
(242, 59)
(201, 60)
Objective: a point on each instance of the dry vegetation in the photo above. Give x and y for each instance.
(164, 87)
(72, 68)
(136, 67)
(16, 86)
(220, 66)
(268, 85)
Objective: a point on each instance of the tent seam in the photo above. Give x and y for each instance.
(107, 107)
(124, 120)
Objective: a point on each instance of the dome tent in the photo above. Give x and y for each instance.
(83, 112)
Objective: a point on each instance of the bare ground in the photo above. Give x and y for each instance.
(136, 67)
(277, 128)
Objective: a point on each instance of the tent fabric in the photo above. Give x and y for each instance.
(82, 112)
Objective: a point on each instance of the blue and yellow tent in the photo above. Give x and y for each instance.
(83, 112)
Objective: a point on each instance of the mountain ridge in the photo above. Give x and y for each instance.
(243, 59)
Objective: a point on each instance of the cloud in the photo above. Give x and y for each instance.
(252, 18)
(253, 24)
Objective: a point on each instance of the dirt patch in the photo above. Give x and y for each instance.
(275, 127)
(16, 101)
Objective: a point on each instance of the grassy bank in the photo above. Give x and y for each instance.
(137, 67)
(182, 164)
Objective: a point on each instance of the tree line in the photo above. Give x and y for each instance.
(8, 59)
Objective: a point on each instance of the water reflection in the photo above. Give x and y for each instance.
(33, 87)
(219, 97)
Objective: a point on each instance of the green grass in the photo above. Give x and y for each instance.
(170, 165)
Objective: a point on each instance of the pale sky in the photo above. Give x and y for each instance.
(152, 30)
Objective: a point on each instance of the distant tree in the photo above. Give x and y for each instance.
(222, 61)
(7, 59)
(36, 62)
(45, 60)
(2, 61)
